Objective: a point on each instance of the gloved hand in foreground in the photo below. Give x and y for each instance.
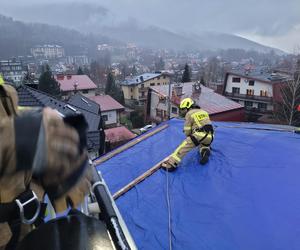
(54, 150)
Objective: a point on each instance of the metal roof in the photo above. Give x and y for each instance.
(106, 102)
(140, 78)
(208, 100)
(259, 75)
(30, 97)
(83, 102)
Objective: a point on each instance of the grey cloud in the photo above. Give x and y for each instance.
(262, 17)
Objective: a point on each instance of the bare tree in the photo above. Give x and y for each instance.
(290, 95)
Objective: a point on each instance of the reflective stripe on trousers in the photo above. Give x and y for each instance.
(187, 145)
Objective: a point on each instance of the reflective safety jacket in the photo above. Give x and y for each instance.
(195, 119)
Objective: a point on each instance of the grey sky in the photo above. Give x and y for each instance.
(272, 22)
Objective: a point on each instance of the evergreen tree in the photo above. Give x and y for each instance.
(159, 64)
(48, 84)
(202, 81)
(113, 89)
(186, 77)
(80, 71)
(86, 71)
(134, 71)
(110, 84)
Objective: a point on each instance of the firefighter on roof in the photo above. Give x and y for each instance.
(199, 133)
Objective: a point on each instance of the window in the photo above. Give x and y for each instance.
(250, 92)
(152, 84)
(105, 117)
(158, 83)
(142, 85)
(158, 78)
(143, 94)
(174, 110)
(235, 90)
(251, 83)
(164, 77)
(165, 114)
(131, 97)
(262, 106)
(248, 104)
(85, 91)
(236, 79)
(263, 93)
(159, 112)
(131, 90)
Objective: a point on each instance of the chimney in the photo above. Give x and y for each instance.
(75, 86)
(141, 78)
(177, 89)
(196, 92)
(60, 77)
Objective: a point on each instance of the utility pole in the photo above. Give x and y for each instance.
(169, 99)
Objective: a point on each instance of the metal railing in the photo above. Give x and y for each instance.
(249, 97)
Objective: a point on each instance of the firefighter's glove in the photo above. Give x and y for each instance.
(75, 195)
(52, 149)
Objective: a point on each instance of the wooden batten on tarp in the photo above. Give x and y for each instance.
(129, 144)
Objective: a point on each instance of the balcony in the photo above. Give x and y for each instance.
(143, 90)
(142, 98)
(249, 97)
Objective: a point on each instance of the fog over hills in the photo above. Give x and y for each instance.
(94, 18)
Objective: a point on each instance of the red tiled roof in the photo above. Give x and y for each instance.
(118, 134)
(106, 102)
(68, 82)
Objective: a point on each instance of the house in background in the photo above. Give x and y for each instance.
(110, 109)
(72, 84)
(13, 71)
(219, 107)
(135, 88)
(254, 89)
(29, 97)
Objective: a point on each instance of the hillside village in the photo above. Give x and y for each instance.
(244, 197)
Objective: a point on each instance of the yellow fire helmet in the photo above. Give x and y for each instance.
(1, 80)
(186, 103)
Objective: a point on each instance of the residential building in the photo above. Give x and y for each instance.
(253, 89)
(48, 51)
(110, 109)
(135, 88)
(246, 196)
(72, 84)
(219, 107)
(78, 60)
(29, 97)
(13, 71)
(104, 47)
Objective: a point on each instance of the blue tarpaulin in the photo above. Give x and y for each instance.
(246, 197)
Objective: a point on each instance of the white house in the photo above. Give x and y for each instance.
(110, 109)
(253, 89)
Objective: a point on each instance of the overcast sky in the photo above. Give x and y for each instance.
(271, 22)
